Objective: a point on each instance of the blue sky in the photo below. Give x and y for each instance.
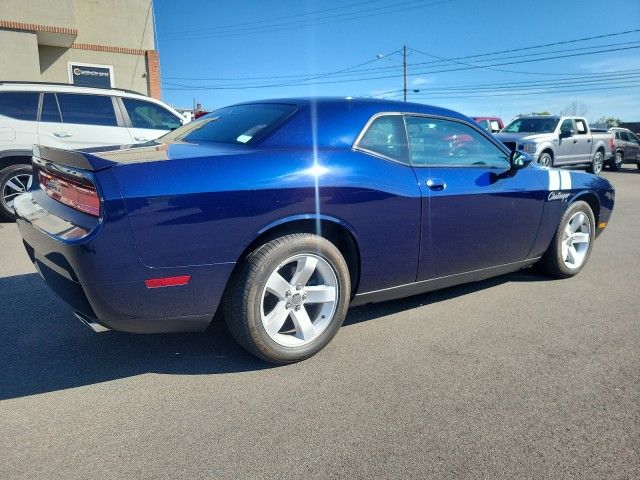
(218, 51)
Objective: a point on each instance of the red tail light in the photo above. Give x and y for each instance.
(74, 194)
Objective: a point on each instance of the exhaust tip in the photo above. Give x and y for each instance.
(91, 323)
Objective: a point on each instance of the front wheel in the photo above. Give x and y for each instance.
(545, 160)
(289, 298)
(572, 243)
(616, 164)
(14, 180)
(596, 163)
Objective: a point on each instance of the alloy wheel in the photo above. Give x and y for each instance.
(576, 240)
(299, 300)
(14, 186)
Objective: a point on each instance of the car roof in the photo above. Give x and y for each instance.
(364, 104)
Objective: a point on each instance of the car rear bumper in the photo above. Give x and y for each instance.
(99, 275)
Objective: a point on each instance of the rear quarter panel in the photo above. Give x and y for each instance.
(207, 210)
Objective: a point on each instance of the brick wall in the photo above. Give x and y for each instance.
(153, 74)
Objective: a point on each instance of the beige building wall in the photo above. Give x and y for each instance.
(15, 46)
(39, 38)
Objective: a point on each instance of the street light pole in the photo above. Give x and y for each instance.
(404, 71)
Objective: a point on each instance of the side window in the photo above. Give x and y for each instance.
(566, 125)
(633, 137)
(495, 126)
(149, 115)
(87, 109)
(624, 136)
(485, 124)
(581, 127)
(439, 143)
(386, 136)
(19, 105)
(50, 111)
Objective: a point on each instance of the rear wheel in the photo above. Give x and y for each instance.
(596, 163)
(545, 159)
(14, 180)
(572, 243)
(289, 298)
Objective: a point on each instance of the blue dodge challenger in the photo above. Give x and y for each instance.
(282, 213)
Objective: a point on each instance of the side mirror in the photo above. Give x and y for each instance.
(566, 133)
(519, 159)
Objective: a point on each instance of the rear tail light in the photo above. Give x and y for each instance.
(77, 195)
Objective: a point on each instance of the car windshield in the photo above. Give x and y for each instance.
(239, 124)
(533, 125)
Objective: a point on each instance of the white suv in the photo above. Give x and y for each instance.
(70, 117)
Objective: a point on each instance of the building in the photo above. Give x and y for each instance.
(83, 42)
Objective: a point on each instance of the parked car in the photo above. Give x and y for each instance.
(625, 146)
(558, 141)
(286, 211)
(490, 124)
(66, 116)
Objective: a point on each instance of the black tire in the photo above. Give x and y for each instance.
(616, 161)
(545, 159)
(597, 162)
(243, 298)
(7, 192)
(552, 262)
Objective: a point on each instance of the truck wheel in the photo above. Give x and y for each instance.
(289, 298)
(14, 180)
(545, 160)
(616, 163)
(596, 163)
(572, 243)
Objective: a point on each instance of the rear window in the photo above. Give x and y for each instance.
(19, 105)
(239, 124)
(87, 109)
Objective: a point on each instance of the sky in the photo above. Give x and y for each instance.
(482, 58)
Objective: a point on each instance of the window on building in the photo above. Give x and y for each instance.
(149, 115)
(87, 109)
(50, 111)
(19, 105)
(436, 142)
(386, 136)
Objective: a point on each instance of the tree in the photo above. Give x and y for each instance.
(575, 109)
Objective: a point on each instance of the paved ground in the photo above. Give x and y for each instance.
(517, 377)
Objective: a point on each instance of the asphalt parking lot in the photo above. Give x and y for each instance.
(516, 377)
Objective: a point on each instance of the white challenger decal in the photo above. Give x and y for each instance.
(559, 180)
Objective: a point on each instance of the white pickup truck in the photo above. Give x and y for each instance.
(554, 141)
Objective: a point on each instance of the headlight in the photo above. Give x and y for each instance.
(529, 147)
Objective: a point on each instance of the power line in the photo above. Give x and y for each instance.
(422, 72)
(372, 12)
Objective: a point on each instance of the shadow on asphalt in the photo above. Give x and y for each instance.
(43, 348)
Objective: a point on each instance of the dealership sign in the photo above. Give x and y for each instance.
(91, 75)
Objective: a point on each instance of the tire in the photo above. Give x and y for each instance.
(545, 159)
(14, 180)
(256, 297)
(554, 261)
(616, 161)
(596, 163)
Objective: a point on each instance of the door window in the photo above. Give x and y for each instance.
(581, 127)
(386, 136)
(50, 110)
(87, 109)
(149, 115)
(19, 105)
(437, 143)
(567, 125)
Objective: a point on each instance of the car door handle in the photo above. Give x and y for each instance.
(576, 141)
(435, 184)
(62, 134)
(141, 139)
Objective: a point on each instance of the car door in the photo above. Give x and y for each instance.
(565, 152)
(582, 142)
(476, 212)
(148, 120)
(633, 148)
(74, 121)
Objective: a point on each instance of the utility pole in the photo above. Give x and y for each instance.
(404, 71)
